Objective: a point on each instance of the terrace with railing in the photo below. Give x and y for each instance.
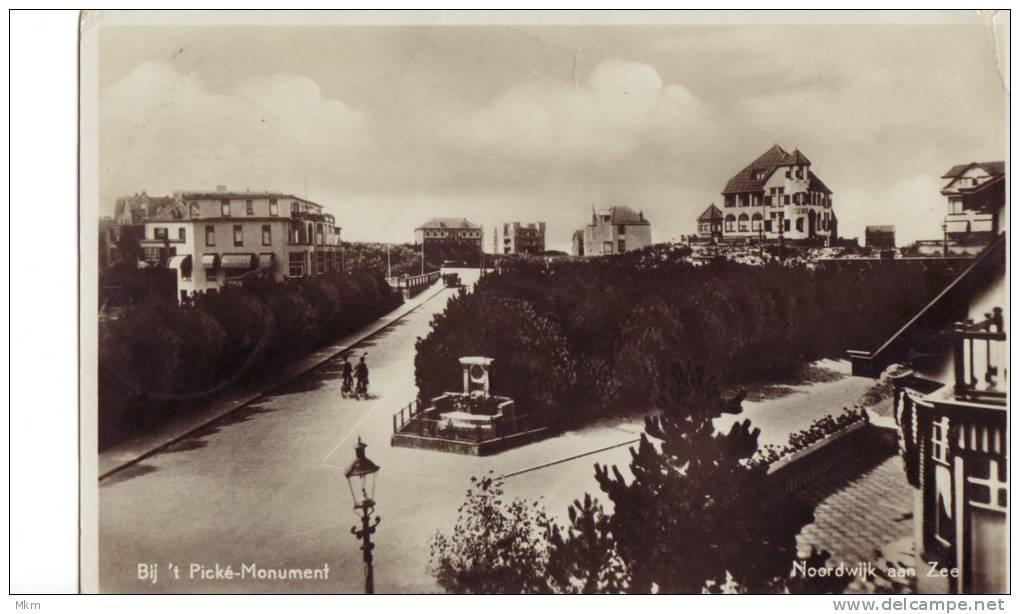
(979, 360)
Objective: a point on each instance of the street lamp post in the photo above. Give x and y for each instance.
(361, 480)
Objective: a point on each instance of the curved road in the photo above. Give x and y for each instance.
(264, 486)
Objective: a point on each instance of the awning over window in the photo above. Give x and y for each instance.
(265, 260)
(208, 261)
(237, 261)
(183, 264)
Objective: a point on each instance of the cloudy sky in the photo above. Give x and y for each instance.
(387, 126)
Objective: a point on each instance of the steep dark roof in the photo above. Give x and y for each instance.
(745, 181)
(712, 213)
(880, 229)
(626, 215)
(449, 222)
(796, 159)
(992, 168)
(579, 235)
(999, 182)
(815, 184)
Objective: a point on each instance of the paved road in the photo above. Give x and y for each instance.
(265, 485)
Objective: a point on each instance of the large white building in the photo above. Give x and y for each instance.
(211, 239)
(777, 195)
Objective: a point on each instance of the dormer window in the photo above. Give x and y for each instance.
(758, 175)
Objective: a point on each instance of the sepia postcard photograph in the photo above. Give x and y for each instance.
(567, 302)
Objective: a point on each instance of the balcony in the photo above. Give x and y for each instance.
(979, 358)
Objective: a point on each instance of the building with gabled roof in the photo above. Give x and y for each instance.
(976, 204)
(710, 223)
(778, 196)
(613, 231)
(449, 229)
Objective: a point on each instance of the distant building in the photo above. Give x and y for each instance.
(577, 243)
(710, 223)
(880, 237)
(517, 238)
(135, 209)
(449, 229)
(778, 196)
(976, 204)
(613, 231)
(216, 238)
(118, 242)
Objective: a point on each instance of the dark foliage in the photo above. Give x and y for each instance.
(158, 358)
(697, 515)
(585, 338)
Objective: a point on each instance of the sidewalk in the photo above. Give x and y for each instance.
(133, 450)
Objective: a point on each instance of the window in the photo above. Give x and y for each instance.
(320, 263)
(991, 492)
(296, 264)
(225, 207)
(607, 247)
(786, 225)
(621, 246)
(800, 224)
(274, 210)
(786, 199)
(238, 235)
(181, 234)
(621, 229)
(318, 235)
(267, 234)
(756, 222)
(249, 207)
(210, 236)
(729, 222)
(742, 223)
(159, 233)
(955, 206)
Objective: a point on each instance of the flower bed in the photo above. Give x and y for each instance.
(826, 428)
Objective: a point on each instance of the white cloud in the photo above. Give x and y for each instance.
(607, 118)
(161, 129)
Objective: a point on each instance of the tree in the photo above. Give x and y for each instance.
(697, 515)
(496, 546)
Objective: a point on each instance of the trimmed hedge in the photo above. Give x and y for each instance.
(585, 338)
(158, 359)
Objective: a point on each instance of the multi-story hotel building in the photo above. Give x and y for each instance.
(613, 231)
(778, 196)
(449, 229)
(215, 238)
(517, 238)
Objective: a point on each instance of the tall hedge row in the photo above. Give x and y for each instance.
(580, 339)
(159, 358)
